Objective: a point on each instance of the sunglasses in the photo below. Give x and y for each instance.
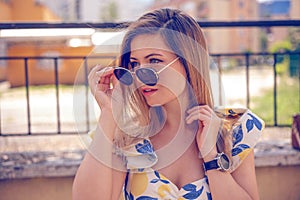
(147, 75)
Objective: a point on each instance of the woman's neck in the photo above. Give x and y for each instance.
(175, 110)
(174, 125)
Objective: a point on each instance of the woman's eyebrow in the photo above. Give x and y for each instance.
(133, 58)
(153, 54)
(148, 56)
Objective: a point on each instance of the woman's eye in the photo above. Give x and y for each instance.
(155, 61)
(134, 64)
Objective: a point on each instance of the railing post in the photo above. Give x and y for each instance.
(27, 95)
(87, 113)
(0, 119)
(299, 80)
(275, 88)
(57, 94)
(247, 81)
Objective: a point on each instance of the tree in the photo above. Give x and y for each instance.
(294, 37)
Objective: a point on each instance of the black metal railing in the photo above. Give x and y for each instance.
(246, 57)
(56, 84)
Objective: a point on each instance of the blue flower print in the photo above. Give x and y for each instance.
(237, 135)
(208, 194)
(128, 195)
(193, 193)
(145, 148)
(158, 178)
(253, 122)
(146, 198)
(238, 149)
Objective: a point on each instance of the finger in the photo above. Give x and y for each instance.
(105, 71)
(104, 75)
(200, 110)
(197, 116)
(200, 107)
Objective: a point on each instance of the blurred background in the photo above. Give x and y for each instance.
(47, 48)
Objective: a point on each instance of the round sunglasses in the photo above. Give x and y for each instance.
(147, 75)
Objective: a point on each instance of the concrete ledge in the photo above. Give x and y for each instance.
(39, 164)
(273, 153)
(65, 163)
(60, 156)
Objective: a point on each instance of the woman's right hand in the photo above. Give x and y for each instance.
(100, 80)
(100, 84)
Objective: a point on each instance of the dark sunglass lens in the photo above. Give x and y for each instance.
(123, 76)
(147, 76)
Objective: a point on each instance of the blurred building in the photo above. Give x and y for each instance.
(222, 40)
(275, 10)
(295, 9)
(97, 10)
(24, 11)
(75, 10)
(37, 42)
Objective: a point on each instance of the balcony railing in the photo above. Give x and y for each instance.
(57, 126)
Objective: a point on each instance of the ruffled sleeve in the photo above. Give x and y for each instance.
(137, 156)
(140, 156)
(246, 133)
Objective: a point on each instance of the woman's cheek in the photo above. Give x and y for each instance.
(174, 81)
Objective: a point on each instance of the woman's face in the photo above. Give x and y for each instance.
(150, 49)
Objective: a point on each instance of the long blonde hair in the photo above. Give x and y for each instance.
(185, 38)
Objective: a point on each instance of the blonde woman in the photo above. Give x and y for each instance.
(159, 136)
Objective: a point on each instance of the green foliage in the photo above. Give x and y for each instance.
(294, 37)
(282, 65)
(283, 61)
(281, 46)
(287, 102)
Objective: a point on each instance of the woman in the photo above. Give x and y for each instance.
(158, 136)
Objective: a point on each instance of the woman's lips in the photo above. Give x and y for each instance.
(148, 91)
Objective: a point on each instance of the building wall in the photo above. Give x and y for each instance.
(218, 39)
(12, 70)
(42, 71)
(29, 10)
(295, 9)
(244, 39)
(222, 40)
(5, 14)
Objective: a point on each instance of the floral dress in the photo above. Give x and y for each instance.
(144, 183)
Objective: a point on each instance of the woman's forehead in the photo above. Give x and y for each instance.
(149, 42)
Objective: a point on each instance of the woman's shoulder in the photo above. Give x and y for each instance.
(246, 132)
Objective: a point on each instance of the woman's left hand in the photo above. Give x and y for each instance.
(209, 124)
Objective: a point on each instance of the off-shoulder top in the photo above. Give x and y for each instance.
(144, 183)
